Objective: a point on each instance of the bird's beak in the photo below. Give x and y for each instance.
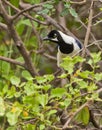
(45, 38)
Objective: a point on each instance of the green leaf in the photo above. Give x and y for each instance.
(15, 80)
(12, 128)
(83, 116)
(15, 2)
(29, 88)
(51, 112)
(100, 9)
(49, 77)
(42, 127)
(82, 84)
(46, 87)
(96, 57)
(77, 59)
(85, 74)
(67, 64)
(7, 66)
(64, 12)
(32, 1)
(73, 12)
(28, 100)
(67, 5)
(67, 102)
(2, 107)
(30, 127)
(62, 76)
(11, 92)
(91, 87)
(95, 96)
(43, 99)
(48, 6)
(44, 11)
(44, 79)
(40, 79)
(5, 89)
(98, 76)
(13, 114)
(58, 92)
(27, 75)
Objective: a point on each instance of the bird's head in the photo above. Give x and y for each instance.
(52, 36)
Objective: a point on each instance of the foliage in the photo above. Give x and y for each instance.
(31, 99)
(33, 102)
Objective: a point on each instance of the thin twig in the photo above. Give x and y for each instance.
(87, 104)
(30, 7)
(26, 15)
(37, 35)
(93, 43)
(79, 3)
(12, 61)
(97, 15)
(87, 32)
(49, 56)
(88, 28)
(25, 10)
(3, 26)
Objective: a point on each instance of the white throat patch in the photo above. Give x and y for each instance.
(66, 38)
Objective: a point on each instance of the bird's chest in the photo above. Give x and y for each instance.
(66, 48)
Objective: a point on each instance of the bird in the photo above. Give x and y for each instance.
(67, 45)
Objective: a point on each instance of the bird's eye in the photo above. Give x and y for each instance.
(54, 36)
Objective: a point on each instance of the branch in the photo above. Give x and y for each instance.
(79, 3)
(87, 32)
(88, 28)
(96, 42)
(51, 21)
(3, 26)
(17, 40)
(26, 15)
(12, 61)
(88, 103)
(25, 10)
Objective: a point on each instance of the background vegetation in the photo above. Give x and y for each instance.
(33, 94)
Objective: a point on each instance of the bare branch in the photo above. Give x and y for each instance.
(26, 15)
(88, 28)
(12, 61)
(3, 26)
(25, 10)
(79, 3)
(30, 8)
